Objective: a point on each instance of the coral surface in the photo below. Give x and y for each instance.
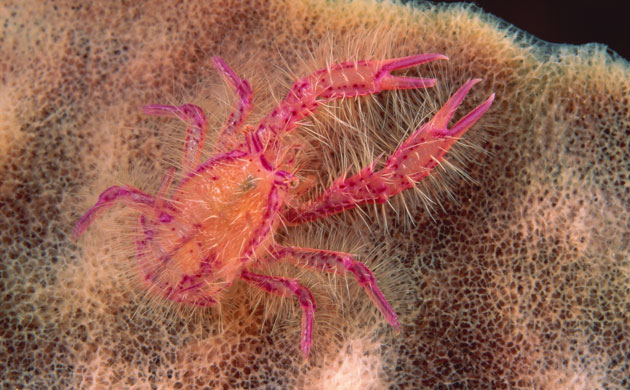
(509, 268)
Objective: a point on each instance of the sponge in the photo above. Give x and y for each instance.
(508, 268)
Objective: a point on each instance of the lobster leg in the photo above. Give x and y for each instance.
(197, 125)
(411, 162)
(240, 111)
(339, 262)
(348, 79)
(287, 287)
(128, 195)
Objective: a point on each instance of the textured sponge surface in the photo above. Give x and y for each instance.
(512, 272)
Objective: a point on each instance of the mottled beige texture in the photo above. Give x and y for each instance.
(520, 279)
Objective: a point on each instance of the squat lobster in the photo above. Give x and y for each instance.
(220, 221)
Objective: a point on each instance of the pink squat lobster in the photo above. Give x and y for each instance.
(219, 222)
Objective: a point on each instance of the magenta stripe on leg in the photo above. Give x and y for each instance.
(196, 129)
(339, 262)
(129, 195)
(285, 287)
(241, 109)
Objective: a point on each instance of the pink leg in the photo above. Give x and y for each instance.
(167, 180)
(128, 195)
(286, 287)
(411, 162)
(329, 261)
(348, 79)
(241, 109)
(194, 117)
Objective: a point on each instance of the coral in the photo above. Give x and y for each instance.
(512, 272)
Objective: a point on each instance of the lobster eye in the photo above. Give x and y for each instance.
(294, 182)
(286, 178)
